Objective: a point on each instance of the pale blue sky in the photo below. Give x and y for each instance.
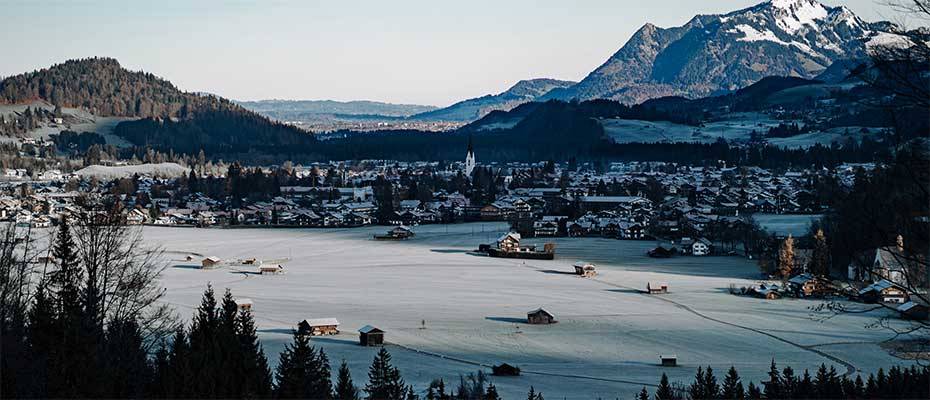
(418, 51)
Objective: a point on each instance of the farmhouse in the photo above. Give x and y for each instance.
(585, 269)
(509, 242)
(883, 291)
(318, 326)
(210, 262)
(701, 247)
(370, 336)
(656, 287)
(540, 317)
(808, 285)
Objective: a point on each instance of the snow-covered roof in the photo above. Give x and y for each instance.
(368, 329)
(321, 322)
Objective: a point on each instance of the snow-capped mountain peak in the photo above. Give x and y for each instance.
(711, 53)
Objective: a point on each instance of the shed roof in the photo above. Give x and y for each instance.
(321, 321)
(369, 329)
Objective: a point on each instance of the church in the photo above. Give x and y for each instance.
(470, 158)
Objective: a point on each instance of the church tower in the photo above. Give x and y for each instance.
(470, 158)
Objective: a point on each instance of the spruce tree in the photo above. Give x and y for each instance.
(773, 387)
(292, 375)
(491, 393)
(384, 380)
(732, 386)
(205, 353)
(697, 389)
(345, 388)
(753, 392)
(665, 391)
(125, 361)
(820, 257)
(643, 394)
(41, 341)
(179, 376)
(256, 376)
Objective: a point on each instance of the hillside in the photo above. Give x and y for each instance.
(469, 110)
(717, 53)
(150, 111)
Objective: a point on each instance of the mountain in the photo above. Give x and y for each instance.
(469, 110)
(155, 113)
(304, 110)
(717, 53)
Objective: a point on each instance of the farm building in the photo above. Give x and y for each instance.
(318, 326)
(662, 252)
(210, 262)
(585, 269)
(244, 304)
(370, 336)
(669, 360)
(656, 287)
(768, 292)
(701, 247)
(270, 269)
(509, 242)
(540, 317)
(883, 291)
(913, 310)
(807, 285)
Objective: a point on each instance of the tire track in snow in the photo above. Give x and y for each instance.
(522, 371)
(850, 367)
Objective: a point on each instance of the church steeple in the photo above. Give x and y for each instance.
(470, 161)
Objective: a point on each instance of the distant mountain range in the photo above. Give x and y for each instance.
(303, 110)
(717, 53)
(522, 92)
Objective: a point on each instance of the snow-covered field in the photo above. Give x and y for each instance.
(162, 170)
(606, 343)
(737, 128)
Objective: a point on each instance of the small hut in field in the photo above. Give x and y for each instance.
(370, 336)
(540, 317)
(318, 326)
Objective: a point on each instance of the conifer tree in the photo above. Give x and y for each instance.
(293, 373)
(180, 373)
(256, 376)
(773, 387)
(643, 394)
(820, 256)
(345, 388)
(491, 393)
(753, 392)
(384, 380)
(41, 341)
(204, 349)
(665, 391)
(732, 386)
(125, 361)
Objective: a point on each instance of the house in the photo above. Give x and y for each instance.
(270, 269)
(244, 304)
(668, 360)
(210, 262)
(883, 291)
(768, 292)
(370, 336)
(318, 326)
(913, 310)
(808, 285)
(701, 247)
(887, 262)
(540, 317)
(584, 269)
(656, 288)
(662, 252)
(509, 242)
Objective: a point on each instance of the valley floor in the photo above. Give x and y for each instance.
(606, 343)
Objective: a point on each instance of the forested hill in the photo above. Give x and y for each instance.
(170, 119)
(103, 87)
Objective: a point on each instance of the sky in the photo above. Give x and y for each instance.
(431, 52)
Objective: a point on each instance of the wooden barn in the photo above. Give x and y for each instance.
(210, 262)
(668, 360)
(585, 269)
(270, 269)
(808, 285)
(913, 311)
(318, 326)
(656, 287)
(370, 336)
(540, 317)
(505, 370)
(883, 291)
